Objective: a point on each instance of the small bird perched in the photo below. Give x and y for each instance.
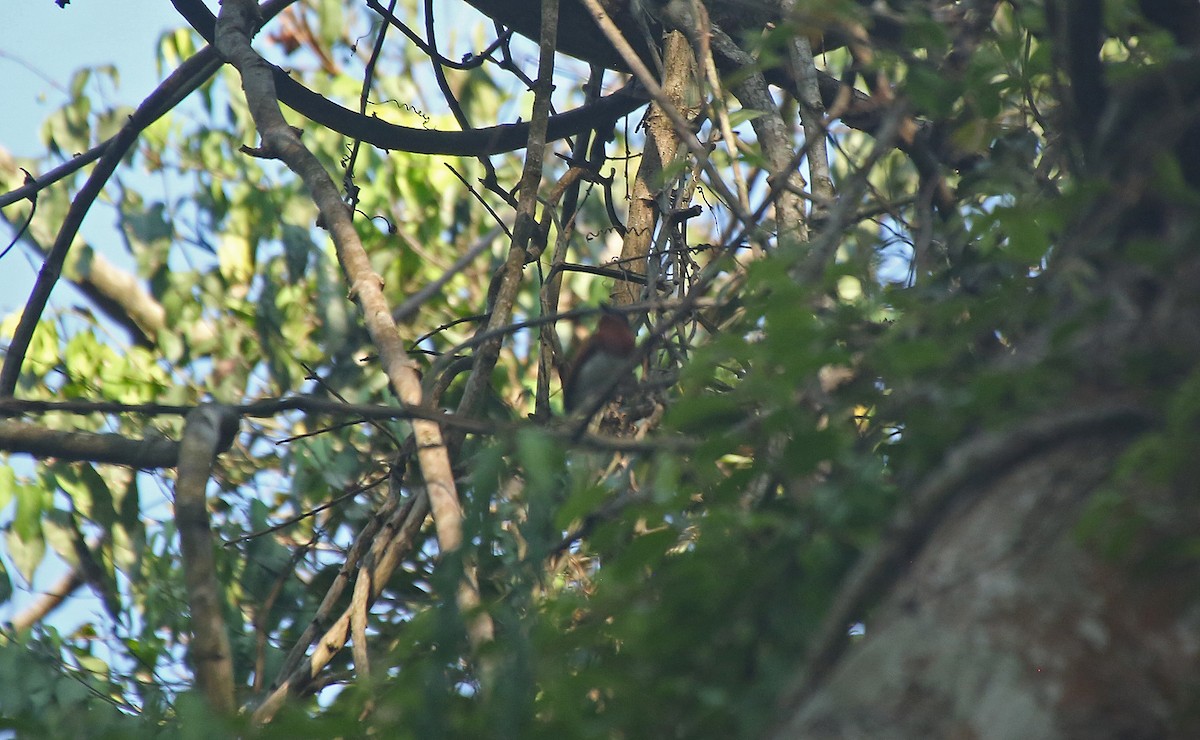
(601, 355)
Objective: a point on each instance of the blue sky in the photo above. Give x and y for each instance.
(40, 48)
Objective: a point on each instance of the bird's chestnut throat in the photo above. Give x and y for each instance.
(604, 353)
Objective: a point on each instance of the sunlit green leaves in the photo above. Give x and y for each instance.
(68, 130)
(8, 491)
(25, 538)
(147, 228)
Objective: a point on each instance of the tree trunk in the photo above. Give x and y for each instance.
(1008, 624)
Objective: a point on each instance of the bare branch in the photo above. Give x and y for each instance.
(281, 141)
(400, 527)
(51, 599)
(209, 649)
(473, 143)
(150, 452)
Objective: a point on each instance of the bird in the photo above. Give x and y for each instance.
(605, 352)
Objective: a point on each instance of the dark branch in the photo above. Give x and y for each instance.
(473, 143)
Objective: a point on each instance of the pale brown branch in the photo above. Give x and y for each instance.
(160, 452)
(662, 145)
(320, 619)
(360, 607)
(399, 530)
(526, 220)
(751, 90)
(50, 599)
(209, 650)
(812, 114)
(281, 141)
(684, 130)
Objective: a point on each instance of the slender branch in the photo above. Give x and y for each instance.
(321, 618)
(209, 650)
(429, 49)
(642, 74)
(402, 312)
(479, 628)
(661, 148)
(35, 185)
(308, 513)
(400, 528)
(360, 604)
(50, 599)
(526, 220)
(280, 141)
(154, 452)
(773, 137)
(812, 115)
(363, 99)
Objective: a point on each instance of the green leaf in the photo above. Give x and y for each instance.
(6, 587)
(583, 501)
(26, 541)
(8, 485)
(540, 458)
(743, 115)
(934, 94)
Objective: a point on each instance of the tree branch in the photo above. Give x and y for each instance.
(473, 143)
(149, 452)
(526, 221)
(203, 434)
(50, 599)
(400, 525)
(280, 141)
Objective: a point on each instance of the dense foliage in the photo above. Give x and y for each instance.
(669, 571)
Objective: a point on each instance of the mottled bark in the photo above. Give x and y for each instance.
(1009, 625)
